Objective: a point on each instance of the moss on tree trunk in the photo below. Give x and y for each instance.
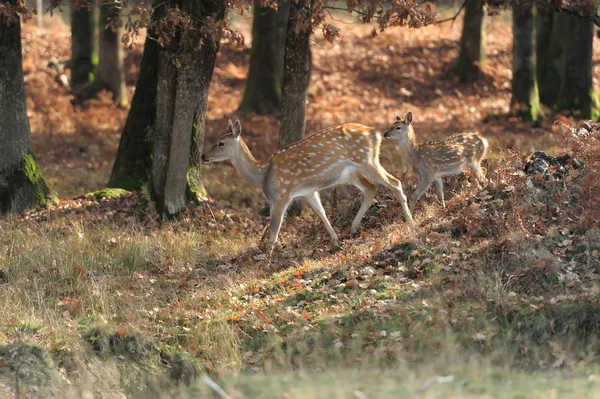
(23, 187)
(22, 184)
(525, 99)
(472, 45)
(195, 190)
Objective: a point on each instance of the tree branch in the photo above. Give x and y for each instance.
(341, 9)
(595, 18)
(462, 7)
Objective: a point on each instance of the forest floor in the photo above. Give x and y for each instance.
(496, 296)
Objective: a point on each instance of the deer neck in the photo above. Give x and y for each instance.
(409, 147)
(248, 167)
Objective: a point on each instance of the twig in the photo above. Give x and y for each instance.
(438, 380)
(215, 387)
(327, 8)
(462, 7)
(211, 212)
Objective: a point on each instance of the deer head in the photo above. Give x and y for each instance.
(228, 147)
(400, 129)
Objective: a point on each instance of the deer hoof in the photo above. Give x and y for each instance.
(337, 246)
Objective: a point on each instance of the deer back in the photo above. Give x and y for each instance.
(447, 155)
(324, 159)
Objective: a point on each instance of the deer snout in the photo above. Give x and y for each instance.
(204, 158)
(386, 135)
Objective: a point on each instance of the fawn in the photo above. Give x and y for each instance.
(347, 153)
(433, 160)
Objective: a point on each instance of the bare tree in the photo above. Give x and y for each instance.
(83, 26)
(472, 44)
(525, 97)
(111, 72)
(263, 86)
(296, 74)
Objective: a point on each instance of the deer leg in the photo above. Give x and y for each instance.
(381, 176)
(422, 186)
(277, 213)
(369, 190)
(314, 200)
(439, 189)
(476, 166)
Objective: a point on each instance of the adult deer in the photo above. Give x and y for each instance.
(433, 160)
(347, 153)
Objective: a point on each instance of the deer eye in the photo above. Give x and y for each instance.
(398, 128)
(221, 144)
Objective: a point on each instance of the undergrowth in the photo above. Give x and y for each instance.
(507, 273)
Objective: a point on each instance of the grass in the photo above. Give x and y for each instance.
(470, 381)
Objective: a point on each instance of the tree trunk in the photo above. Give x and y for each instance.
(263, 86)
(547, 49)
(184, 74)
(525, 97)
(131, 169)
(111, 72)
(283, 16)
(296, 75)
(576, 93)
(472, 45)
(22, 184)
(82, 45)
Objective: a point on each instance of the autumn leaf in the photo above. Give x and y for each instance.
(351, 283)
(79, 271)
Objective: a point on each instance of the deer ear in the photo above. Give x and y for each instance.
(230, 126)
(397, 117)
(237, 128)
(408, 118)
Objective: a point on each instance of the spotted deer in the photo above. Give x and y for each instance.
(347, 153)
(433, 160)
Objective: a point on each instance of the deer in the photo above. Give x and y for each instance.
(344, 154)
(432, 160)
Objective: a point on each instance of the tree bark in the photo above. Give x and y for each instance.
(296, 75)
(547, 49)
(131, 169)
(472, 45)
(525, 97)
(22, 184)
(82, 45)
(111, 72)
(263, 86)
(576, 93)
(283, 16)
(184, 74)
